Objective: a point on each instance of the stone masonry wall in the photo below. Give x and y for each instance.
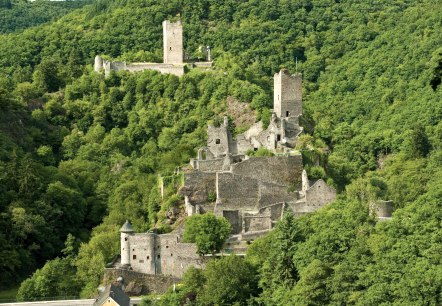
(280, 170)
(211, 165)
(236, 192)
(177, 70)
(142, 254)
(320, 194)
(287, 94)
(271, 193)
(218, 140)
(147, 284)
(198, 185)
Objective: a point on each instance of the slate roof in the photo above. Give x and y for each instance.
(114, 292)
(127, 227)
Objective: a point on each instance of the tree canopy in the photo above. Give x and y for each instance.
(81, 153)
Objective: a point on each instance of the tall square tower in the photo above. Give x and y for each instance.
(172, 42)
(287, 100)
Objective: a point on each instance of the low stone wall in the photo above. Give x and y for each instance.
(301, 208)
(203, 64)
(177, 70)
(211, 165)
(136, 283)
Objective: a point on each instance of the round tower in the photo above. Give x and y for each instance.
(98, 64)
(126, 231)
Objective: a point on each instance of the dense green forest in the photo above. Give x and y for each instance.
(22, 14)
(79, 154)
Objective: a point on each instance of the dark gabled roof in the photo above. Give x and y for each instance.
(114, 292)
(127, 227)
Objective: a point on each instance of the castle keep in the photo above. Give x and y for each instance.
(251, 192)
(173, 55)
(172, 42)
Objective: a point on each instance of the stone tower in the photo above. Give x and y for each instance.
(98, 64)
(287, 101)
(172, 42)
(126, 231)
(219, 139)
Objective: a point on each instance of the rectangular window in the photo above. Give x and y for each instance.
(278, 137)
(134, 256)
(218, 141)
(287, 113)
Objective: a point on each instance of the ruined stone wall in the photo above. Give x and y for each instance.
(300, 208)
(98, 63)
(320, 194)
(259, 221)
(236, 192)
(381, 209)
(198, 185)
(144, 283)
(177, 257)
(265, 219)
(172, 42)
(271, 193)
(162, 254)
(279, 170)
(212, 165)
(242, 145)
(277, 94)
(218, 140)
(203, 64)
(177, 70)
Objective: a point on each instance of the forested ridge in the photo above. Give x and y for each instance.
(80, 154)
(21, 14)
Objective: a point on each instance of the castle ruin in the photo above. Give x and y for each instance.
(251, 192)
(173, 56)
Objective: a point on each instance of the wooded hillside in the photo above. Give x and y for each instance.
(79, 154)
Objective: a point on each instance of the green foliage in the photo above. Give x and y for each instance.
(56, 278)
(229, 280)
(18, 14)
(207, 231)
(261, 152)
(78, 150)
